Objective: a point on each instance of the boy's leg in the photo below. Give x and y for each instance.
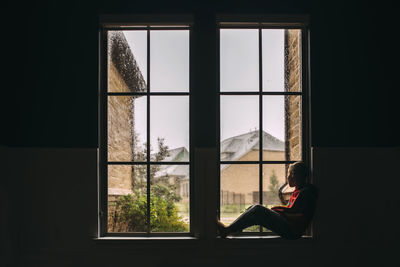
(260, 215)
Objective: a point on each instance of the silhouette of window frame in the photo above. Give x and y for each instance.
(141, 23)
(121, 22)
(259, 23)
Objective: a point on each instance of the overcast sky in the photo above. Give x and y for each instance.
(169, 63)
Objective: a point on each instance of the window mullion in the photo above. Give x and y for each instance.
(205, 129)
(260, 117)
(148, 132)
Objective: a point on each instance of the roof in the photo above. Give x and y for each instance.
(122, 57)
(231, 149)
(236, 147)
(174, 170)
(179, 154)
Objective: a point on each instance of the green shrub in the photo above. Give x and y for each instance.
(130, 213)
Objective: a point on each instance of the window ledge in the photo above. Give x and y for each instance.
(176, 238)
(270, 237)
(141, 238)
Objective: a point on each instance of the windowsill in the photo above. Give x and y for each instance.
(141, 238)
(265, 237)
(191, 238)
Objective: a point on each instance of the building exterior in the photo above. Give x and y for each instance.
(177, 174)
(123, 76)
(239, 182)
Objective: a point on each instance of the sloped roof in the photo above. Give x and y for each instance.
(236, 147)
(179, 154)
(174, 170)
(122, 57)
(231, 149)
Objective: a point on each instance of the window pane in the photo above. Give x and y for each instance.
(239, 190)
(274, 176)
(169, 61)
(126, 128)
(169, 128)
(281, 60)
(293, 59)
(239, 123)
(282, 127)
(273, 47)
(239, 63)
(294, 128)
(127, 61)
(169, 199)
(127, 201)
(273, 128)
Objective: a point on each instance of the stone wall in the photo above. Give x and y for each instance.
(293, 83)
(244, 178)
(123, 76)
(120, 129)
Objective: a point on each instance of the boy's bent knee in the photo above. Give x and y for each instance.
(256, 207)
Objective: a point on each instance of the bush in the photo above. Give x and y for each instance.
(130, 213)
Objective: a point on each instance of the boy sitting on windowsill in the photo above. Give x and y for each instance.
(289, 221)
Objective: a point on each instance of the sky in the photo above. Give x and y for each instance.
(239, 68)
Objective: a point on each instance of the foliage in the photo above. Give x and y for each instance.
(130, 211)
(271, 197)
(273, 183)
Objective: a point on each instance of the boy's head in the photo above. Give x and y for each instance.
(297, 173)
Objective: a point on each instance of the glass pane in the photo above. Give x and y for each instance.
(239, 190)
(293, 59)
(169, 199)
(239, 62)
(282, 128)
(274, 176)
(274, 128)
(127, 200)
(126, 128)
(239, 128)
(281, 59)
(273, 58)
(169, 128)
(294, 128)
(169, 61)
(127, 61)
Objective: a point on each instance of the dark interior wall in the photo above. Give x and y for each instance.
(49, 103)
(50, 94)
(52, 217)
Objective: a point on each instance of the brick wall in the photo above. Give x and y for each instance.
(244, 178)
(293, 103)
(120, 128)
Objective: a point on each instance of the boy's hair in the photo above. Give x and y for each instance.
(301, 170)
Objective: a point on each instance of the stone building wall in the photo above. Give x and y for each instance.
(123, 77)
(293, 83)
(244, 178)
(120, 126)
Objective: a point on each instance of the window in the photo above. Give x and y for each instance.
(151, 102)
(147, 140)
(261, 96)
